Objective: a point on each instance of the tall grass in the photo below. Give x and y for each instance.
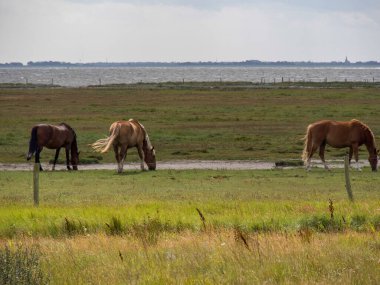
(214, 257)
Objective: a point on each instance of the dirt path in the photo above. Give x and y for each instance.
(175, 165)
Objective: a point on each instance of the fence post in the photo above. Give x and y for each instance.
(347, 176)
(36, 172)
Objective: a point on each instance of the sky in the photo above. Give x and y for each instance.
(189, 30)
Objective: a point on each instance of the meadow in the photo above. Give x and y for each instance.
(279, 226)
(195, 226)
(213, 122)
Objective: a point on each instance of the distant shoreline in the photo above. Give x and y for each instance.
(247, 63)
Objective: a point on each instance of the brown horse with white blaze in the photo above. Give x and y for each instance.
(124, 135)
(54, 137)
(350, 134)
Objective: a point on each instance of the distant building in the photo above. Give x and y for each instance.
(347, 61)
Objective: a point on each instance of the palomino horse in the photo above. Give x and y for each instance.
(125, 135)
(350, 134)
(54, 137)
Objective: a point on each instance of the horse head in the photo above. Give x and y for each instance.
(149, 156)
(373, 158)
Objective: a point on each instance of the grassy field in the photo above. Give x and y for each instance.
(194, 226)
(224, 122)
(97, 227)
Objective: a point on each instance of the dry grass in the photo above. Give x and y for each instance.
(215, 257)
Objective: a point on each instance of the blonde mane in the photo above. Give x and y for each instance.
(145, 132)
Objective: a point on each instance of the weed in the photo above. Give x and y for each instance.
(241, 237)
(331, 209)
(203, 219)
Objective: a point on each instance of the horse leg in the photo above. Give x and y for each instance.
(56, 157)
(37, 157)
(117, 157)
(310, 154)
(123, 155)
(355, 148)
(141, 155)
(350, 155)
(67, 158)
(322, 154)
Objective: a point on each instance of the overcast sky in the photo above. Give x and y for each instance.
(189, 30)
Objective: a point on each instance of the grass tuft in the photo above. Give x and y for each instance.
(115, 227)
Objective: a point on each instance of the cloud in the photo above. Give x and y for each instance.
(80, 30)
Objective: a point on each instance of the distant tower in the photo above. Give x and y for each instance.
(346, 61)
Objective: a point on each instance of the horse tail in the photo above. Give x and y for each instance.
(307, 144)
(103, 145)
(32, 143)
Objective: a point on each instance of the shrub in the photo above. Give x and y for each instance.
(21, 266)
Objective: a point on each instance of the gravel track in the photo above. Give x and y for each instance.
(175, 165)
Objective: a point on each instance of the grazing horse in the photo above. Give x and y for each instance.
(124, 135)
(54, 137)
(350, 134)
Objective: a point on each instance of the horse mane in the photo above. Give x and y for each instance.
(74, 145)
(68, 127)
(368, 132)
(144, 131)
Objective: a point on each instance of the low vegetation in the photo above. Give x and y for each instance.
(195, 121)
(196, 226)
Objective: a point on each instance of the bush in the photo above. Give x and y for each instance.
(20, 266)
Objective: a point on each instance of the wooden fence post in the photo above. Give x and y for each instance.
(36, 172)
(347, 176)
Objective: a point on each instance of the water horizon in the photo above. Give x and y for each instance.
(78, 76)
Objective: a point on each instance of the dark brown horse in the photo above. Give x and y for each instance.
(54, 137)
(124, 135)
(350, 134)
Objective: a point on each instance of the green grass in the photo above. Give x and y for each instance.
(261, 201)
(195, 122)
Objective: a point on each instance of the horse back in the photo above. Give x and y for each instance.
(130, 134)
(337, 134)
(53, 137)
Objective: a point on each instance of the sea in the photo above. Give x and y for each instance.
(87, 76)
